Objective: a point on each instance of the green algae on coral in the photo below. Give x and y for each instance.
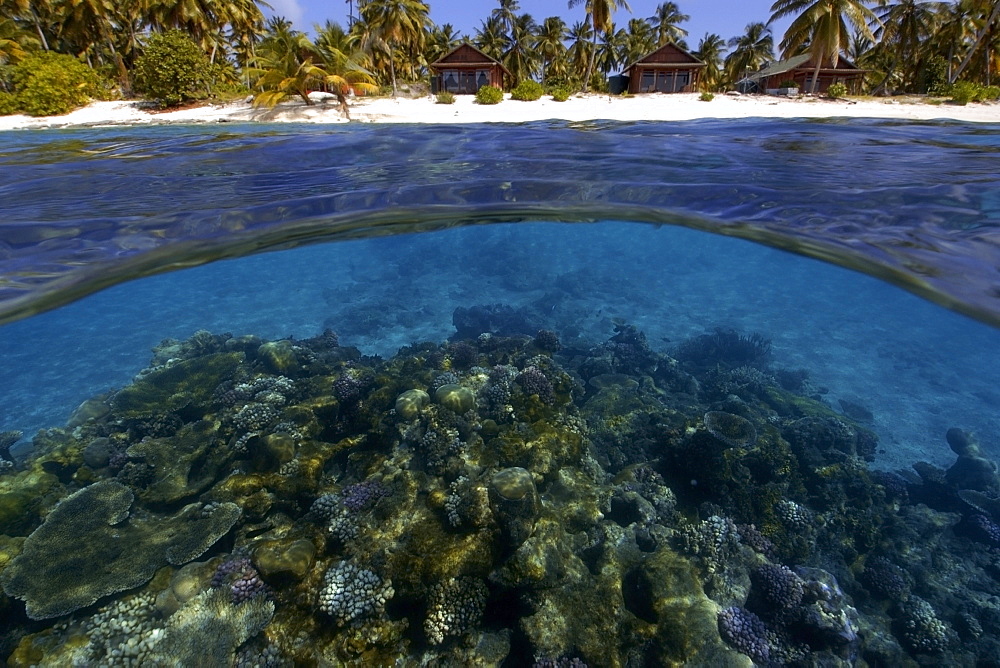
(176, 386)
(91, 546)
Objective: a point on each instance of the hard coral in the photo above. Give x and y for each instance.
(745, 632)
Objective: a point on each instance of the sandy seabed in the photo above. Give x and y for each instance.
(652, 107)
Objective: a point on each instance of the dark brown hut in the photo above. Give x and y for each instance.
(464, 70)
(669, 69)
(801, 69)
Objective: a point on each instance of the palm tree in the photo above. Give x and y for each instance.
(520, 59)
(506, 14)
(581, 46)
(491, 38)
(666, 20)
(611, 52)
(824, 26)
(600, 13)
(441, 40)
(639, 41)
(15, 42)
(550, 41)
(288, 64)
(984, 30)
(709, 51)
(402, 25)
(749, 51)
(905, 28)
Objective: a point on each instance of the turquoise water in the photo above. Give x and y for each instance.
(589, 230)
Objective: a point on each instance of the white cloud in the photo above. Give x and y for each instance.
(289, 9)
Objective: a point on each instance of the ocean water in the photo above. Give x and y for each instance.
(863, 253)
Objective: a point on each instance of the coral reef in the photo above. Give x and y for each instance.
(497, 499)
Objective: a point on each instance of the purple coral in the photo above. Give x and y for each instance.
(884, 579)
(363, 494)
(547, 340)
(533, 381)
(745, 632)
(775, 588)
(242, 579)
(982, 529)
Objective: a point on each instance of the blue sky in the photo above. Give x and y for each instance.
(725, 17)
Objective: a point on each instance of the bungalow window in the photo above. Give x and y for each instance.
(647, 85)
(482, 79)
(449, 79)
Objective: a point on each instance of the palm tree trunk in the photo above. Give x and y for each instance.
(38, 28)
(975, 45)
(815, 81)
(590, 63)
(392, 72)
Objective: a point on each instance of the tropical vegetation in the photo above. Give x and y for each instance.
(174, 51)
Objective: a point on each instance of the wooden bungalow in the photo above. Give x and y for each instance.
(669, 69)
(801, 69)
(464, 70)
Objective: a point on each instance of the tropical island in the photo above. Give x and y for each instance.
(146, 58)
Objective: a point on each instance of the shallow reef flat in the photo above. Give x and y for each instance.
(496, 499)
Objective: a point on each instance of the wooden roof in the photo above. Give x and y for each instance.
(668, 56)
(466, 55)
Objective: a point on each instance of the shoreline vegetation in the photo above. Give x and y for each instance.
(110, 62)
(325, 108)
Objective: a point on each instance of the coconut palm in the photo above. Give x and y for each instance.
(905, 27)
(441, 40)
(750, 51)
(15, 42)
(611, 51)
(403, 25)
(709, 51)
(506, 14)
(985, 29)
(639, 40)
(288, 64)
(824, 26)
(491, 38)
(666, 21)
(600, 13)
(550, 41)
(520, 58)
(581, 45)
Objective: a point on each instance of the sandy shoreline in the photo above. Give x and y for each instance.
(656, 107)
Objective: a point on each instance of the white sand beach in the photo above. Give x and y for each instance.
(653, 107)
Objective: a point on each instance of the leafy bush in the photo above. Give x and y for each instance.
(49, 84)
(963, 92)
(989, 93)
(445, 97)
(560, 94)
(836, 90)
(527, 91)
(788, 83)
(172, 69)
(8, 104)
(706, 97)
(489, 95)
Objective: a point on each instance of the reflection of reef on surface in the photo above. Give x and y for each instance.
(494, 500)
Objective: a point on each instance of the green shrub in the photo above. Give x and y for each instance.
(560, 94)
(445, 97)
(527, 91)
(172, 69)
(836, 90)
(990, 93)
(8, 104)
(788, 83)
(963, 92)
(489, 95)
(49, 84)
(706, 97)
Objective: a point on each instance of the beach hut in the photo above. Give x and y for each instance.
(466, 69)
(669, 69)
(801, 69)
